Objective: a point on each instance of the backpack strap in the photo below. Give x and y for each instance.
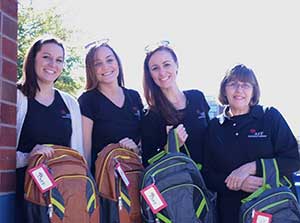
(171, 147)
(270, 172)
(173, 143)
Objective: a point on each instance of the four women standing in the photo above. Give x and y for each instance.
(234, 141)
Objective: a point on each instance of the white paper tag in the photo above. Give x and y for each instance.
(42, 178)
(261, 217)
(122, 174)
(154, 198)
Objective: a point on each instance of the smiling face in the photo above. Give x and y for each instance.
(239, 96)
(163, 69)
(106, 66)
(49, 63)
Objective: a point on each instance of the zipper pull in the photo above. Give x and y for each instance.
(120, 203)
(50, 210)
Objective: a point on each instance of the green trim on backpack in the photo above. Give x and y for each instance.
(157, 157)
(200, 208)
(289, 183)
(256, 193)
(163, 218)
(264, 171)
(277, 173)
(199, 166)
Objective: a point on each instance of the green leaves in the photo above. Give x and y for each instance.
(33, 24)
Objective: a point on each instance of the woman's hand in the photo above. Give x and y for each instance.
(43, 150)
(251, 184)
(236, 178)
(129, 144)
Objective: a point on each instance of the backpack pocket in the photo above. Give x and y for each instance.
(73, 200)
(185, 203)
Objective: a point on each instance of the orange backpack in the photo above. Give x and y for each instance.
(74, 199)
(119, 203)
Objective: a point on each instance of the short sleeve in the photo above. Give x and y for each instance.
(86, 106)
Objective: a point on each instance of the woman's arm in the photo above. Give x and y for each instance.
(284, 143)
(87, 128)
(22, 159)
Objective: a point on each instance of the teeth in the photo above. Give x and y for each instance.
(164, 79)
(107, 74)
(238, 97)
(50, 71)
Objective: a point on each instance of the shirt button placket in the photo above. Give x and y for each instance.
(234, 125)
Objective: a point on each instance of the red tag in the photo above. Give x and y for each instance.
(154, 198)
(122, 174)
(261, 217)
(42, 178)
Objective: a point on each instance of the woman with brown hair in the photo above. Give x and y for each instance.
(45, 115)
(238, 138)
(111, 113)
(170, 107)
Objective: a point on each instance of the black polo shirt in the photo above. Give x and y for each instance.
(195, 119)
(111, 123)
(234, 141)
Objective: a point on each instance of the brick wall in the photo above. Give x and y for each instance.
(8, 76)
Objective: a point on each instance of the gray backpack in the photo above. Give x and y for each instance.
(180, 183)
(273, 199)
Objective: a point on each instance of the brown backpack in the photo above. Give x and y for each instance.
(74, 199)
(119, 203)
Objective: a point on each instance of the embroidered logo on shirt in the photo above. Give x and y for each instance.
(64, 114)
(254, 134)
(200, 114)
(137, 112)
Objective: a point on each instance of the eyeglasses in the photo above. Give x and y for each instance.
(235, 85)
(99, 42)
(151, 47)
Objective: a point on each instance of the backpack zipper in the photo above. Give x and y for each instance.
(273, 205)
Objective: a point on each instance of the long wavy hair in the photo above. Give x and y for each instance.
(155, 98)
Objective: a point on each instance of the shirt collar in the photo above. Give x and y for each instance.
(223, 116)
(256, 112)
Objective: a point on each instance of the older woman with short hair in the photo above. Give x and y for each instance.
(238, 138)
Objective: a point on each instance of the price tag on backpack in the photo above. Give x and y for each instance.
(261, 217)
(154, 198)
(122, 174)
(42, 178)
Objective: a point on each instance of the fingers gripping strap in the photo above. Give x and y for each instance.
(270, 172)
